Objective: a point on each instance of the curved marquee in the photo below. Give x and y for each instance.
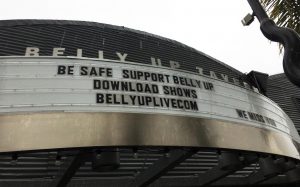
(49, 102)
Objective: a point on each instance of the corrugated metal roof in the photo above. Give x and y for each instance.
(285, 94)
(17, 34)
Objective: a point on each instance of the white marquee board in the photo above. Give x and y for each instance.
(76, 85)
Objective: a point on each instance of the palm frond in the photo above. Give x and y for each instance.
(285, 13)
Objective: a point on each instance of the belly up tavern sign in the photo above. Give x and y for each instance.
(101, 85)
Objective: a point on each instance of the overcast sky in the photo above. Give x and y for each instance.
(213, 27)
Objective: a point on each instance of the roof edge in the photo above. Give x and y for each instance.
(22, 22)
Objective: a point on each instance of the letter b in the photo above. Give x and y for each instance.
(99, 98)
(32, 51)
(61, 70)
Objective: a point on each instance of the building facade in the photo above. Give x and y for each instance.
(97, 104)
(287, 95)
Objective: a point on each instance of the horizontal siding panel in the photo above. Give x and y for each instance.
(283, 92)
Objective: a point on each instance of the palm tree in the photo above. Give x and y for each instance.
(285, 13)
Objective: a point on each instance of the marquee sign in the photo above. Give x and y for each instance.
(122, 57)
(75, 85)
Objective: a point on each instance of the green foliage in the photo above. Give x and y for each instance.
(285, 13)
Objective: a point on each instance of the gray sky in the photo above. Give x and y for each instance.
(213, 27)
